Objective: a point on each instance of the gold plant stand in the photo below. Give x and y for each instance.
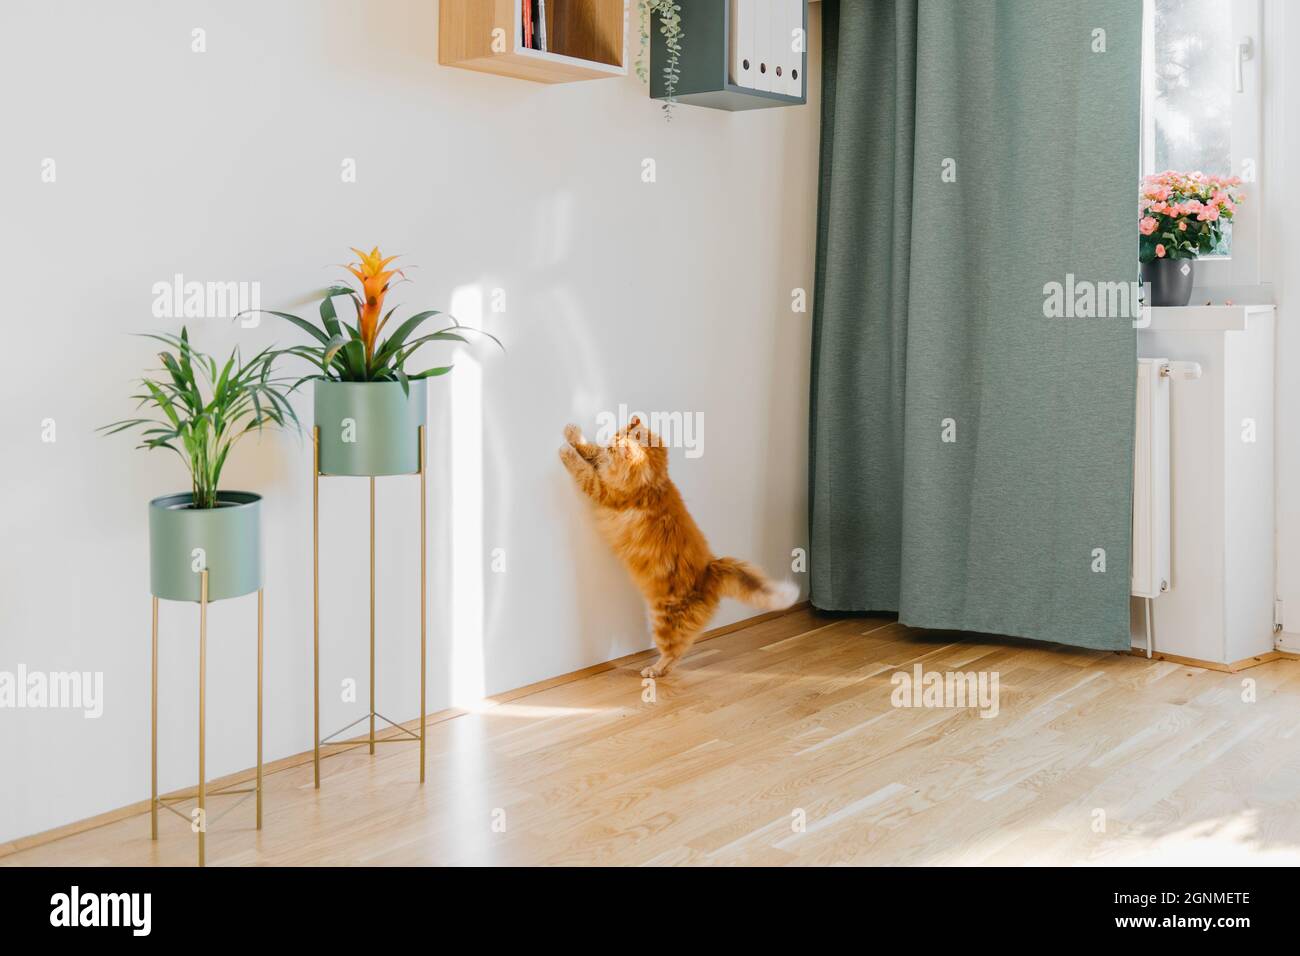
(404, 735)
(202, 793)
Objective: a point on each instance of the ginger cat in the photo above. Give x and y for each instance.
(643, 517)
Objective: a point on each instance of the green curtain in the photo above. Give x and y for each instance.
(971, 459)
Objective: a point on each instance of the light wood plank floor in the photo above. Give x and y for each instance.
(1094, 758)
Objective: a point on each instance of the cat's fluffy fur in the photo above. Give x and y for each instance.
(643, 517)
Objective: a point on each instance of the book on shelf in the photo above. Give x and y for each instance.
(534, 24)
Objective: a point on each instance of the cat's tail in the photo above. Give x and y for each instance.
(731, 577)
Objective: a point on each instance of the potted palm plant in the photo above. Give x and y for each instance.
(368, 407)
(202, 410)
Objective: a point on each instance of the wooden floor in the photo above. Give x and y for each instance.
(1094, 758)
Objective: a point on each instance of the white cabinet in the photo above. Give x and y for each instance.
(1219, 606)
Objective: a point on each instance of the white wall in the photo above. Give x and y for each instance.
(1275, 199)
(225, 165)
(1282, 264)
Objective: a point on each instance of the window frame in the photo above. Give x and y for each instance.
(1243, 268)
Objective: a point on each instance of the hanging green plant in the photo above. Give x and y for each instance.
(670, 26)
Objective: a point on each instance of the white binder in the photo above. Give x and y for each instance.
(781, 42)
(794, 77)
(763, 43)
(744, 68)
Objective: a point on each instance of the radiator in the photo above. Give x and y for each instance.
(1151, 480)
(1151, 477)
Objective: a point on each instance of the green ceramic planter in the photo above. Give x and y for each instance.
(230, 536)
(370, 428)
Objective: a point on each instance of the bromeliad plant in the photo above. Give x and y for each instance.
(344, 352)
(205, 409)
(1182, 215)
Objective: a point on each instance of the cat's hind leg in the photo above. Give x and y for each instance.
(675, 629)
(662, 666)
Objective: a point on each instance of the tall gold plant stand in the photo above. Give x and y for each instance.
(200, 823)
(403, 735)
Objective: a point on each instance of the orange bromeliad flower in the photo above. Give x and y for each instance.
(370, 272)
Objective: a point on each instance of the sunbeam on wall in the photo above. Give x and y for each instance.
(467, 683)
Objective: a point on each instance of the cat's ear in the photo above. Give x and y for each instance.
(634, 423)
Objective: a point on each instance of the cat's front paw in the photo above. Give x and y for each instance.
(573, 435)
(572, 460)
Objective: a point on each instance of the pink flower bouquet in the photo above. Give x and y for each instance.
(1181, 215)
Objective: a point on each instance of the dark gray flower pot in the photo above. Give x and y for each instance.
(229, 535)
(1171, 280)
(370, 428)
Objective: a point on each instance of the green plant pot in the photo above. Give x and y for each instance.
(229, 535)
(370, 428)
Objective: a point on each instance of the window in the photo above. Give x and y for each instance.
(1201, 111)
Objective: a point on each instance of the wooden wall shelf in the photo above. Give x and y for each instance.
(587, 39)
